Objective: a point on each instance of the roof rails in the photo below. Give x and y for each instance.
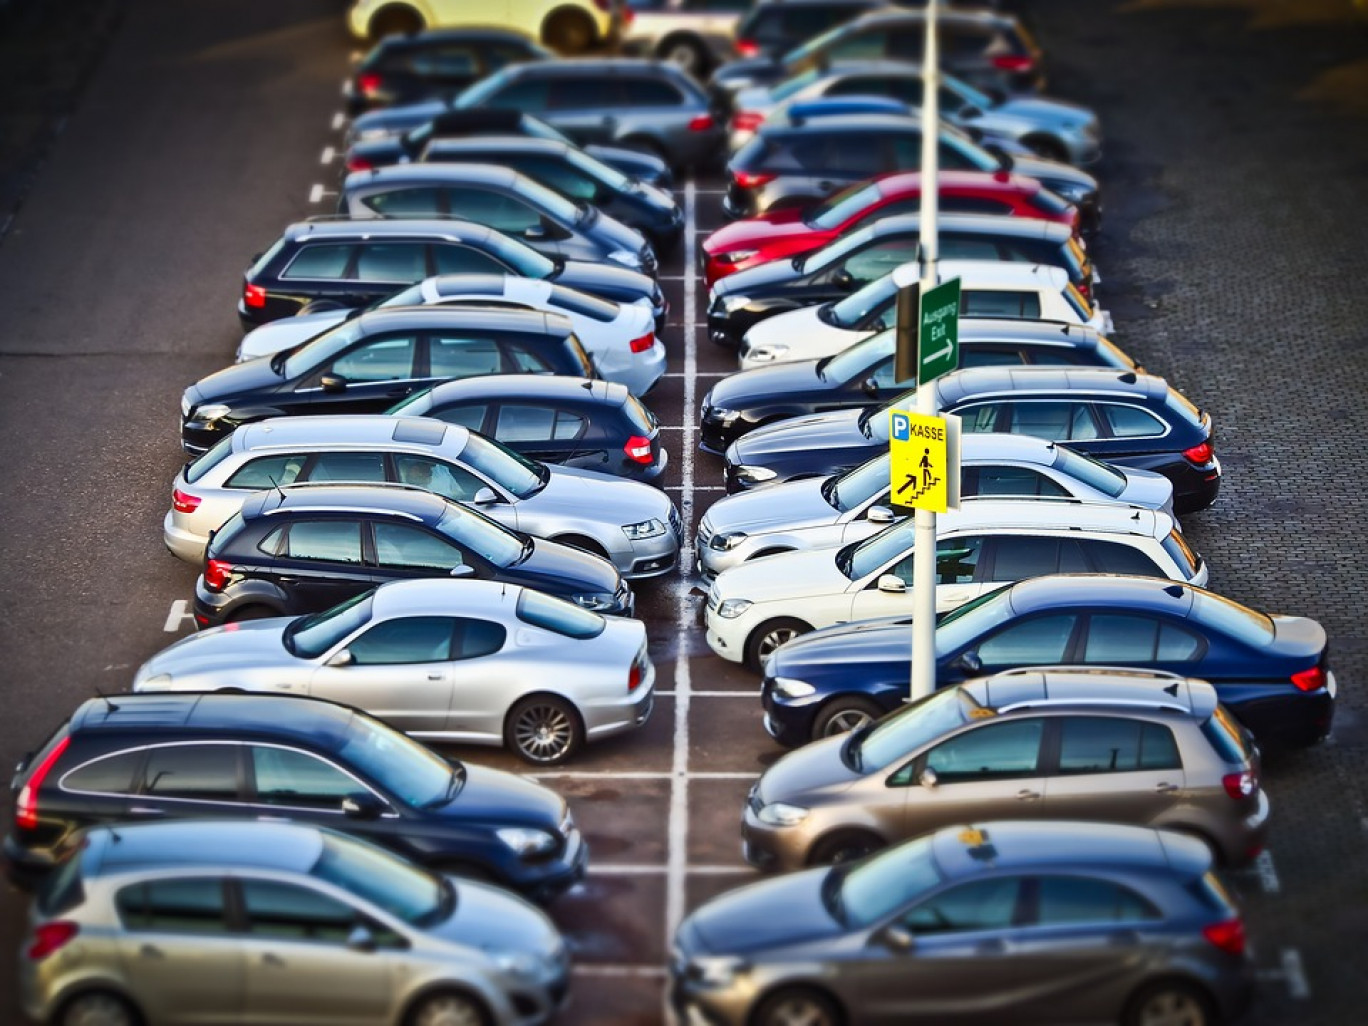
(1103, 703)
(1128, 671)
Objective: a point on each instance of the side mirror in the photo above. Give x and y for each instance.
(361, 939)
(333, 383)
(535, 231)
(928, 779)
(969, 112)
(843, 279)
(870, 387)
(892, 584)
(485, 497)
(361, 805)
(880, 515)
(898, 938)
(342, 657)
(969, 662)
(462, 570)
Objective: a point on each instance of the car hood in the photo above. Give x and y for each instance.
(805, 334)
(498, 922)
(235, 380)
(506, 799)
(619, 284)
(816, 767)
(288, 332)
(790, 504)
(785, 575)
(800, 434)
(219, 651)
(750, 388)
(552, 564)
(774, 913)
(760, 279)
(776, 226)
(1040, 109)
(845, 645)
(570, 491)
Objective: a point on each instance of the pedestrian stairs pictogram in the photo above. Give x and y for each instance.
(927, 484)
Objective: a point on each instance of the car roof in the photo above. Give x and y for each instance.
(580, 66)
(442, 596)
(457, 316)
(1093, 687)
(1004, 513)
(1079, 382)
(234, 844)
(505, 143)
(365, 228)
(974, 224)
(967, 850)
(390, 500)
(340, 431)
(258, 715)
(459, 171)
(557, 387)
(1005, 274)
(1016, 329)
(1145, 594)
(993, 181)
(844, 124)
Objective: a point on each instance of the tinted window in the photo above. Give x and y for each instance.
(1017, 557)
(500, 211)
(649, 92)
(997, 751)
(415, 202)
(322, 260)
(953, 204)
(1073, 899)
(1180, 552)
(1177, 645)
(462, 357)
(204, 772)
(402, 262)
(384, 359)
(288, 777)
(290, 912)
(111, 775)
(348, 466)
(529, 95)
(1241, 622)
(982, 905)
(174, 906)
(1009, 481)
(1043, 639)
(452, 258)
(445, 479)
(333, 541)
(979, 419)
(527, 362)
(1119, 558)
(957, 559)
(994, 303)
(1227, 737)
(584, 93)
(472, 417)
(558, 616)
(408, 639)
(1101, 744)
(476, 638)
(400, 547)
(1118, 638)
(1131, 422)
(881, 258)
(267, 472)
(1053, 420)
(196, 469)
(538, 424)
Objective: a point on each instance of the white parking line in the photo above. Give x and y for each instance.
(752, 695)
(700, 374)
(699, 488)
(317, 193)
(327, 156)
(342, 89)
(1295, 974)
(1268, 875)
(179, 613)
(338, 120)
(649, 971)
(636, 775)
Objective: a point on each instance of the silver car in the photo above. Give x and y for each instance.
(633, 525)
(697, 35)
(211, 922)
(765, 521)
(466, 661)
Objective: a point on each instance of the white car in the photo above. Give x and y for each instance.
(619, 336)
(989, 288)
(817, 512)
(757, 606)
(463, 661)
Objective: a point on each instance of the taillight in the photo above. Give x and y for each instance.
(634, 677)
(1310, 680)
(216, 574)
(638, 449)
(253, 296)
(700, 123)
(358, 164)
(1228, 935)
(50, 937)
(1239, 785)
(752, 180)
(368, 83)
(1085, 290)
(628, 16)
(747, 47)
(746, 120)
(26, 806)
(1198, 454)
(184, 502)
(642, 344)
(1013, 62)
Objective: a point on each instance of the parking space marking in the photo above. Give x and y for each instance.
(327, 156)
(338, 120)
(317, 193)
(1268, 875)
(654, 972)
(699, 488)
(700, 374)
(179, 613)
(1295, 974)
(637, 775)
(714, 694)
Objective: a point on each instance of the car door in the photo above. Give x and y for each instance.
(485, 679)
(189, 779)
(405, 551)
(318, 562)
(1041, 640)
(1114, 769)
(584, 108)
(956, 568)
(290, 783)
(368, 377)
(548, 433)
(397, 669)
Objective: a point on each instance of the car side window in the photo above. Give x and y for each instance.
(580, 92)
(447, 479)
(1117, 558)
(1019, 556)
(1072, 900)
(863, 46)
(289, 912)
(328, 541)
(649, 92)
(1177, 645)
(1106, 744)
(454, 258)
(348, 466)
(405, 639)
(415, 202)
(462, 357)
(879, 259)
(957, 559)
(954, 158)
(1033, 642)
(500, 211)
(525, 361)
(871, 85)
(177, 905)
(111, 774)
(401, 262)
(537, 424)
(999, 303)
(321, 261)
(530, 95)
(558, 175)
(381, 359)
(961, 248)
(399, 547)
(471, 416)
(1006, 480)
(206, 772)
(1118, 638)
(981, 905)
(299, 780)
(997, 751)
(266, 472)
(953, 204)
(979, 419)
(1046, 420)
(1131, 421)
(477, 638)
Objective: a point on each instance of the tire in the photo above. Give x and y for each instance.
(843, 714)
(395, 20)
(543, 730)
(791, 1005)
(576, 541)
(569, 32)
(769, 636)
(98, 1008)
(1046, 147)
(252, 612)
(686, 52)
(1169, 1003)
(843, 846)
(448, 1008)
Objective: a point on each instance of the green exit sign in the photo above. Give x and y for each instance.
(938, 331)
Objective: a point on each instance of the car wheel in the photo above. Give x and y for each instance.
(844, 714)
(846, 846)
(797, 1006)
(1046, 147)
(544, 730)
(568, 32)
(769, 636)
(398, 20)
(1169, 1003)
(686, 52)
(254, 612)
(98, 1008)
(449, 1008)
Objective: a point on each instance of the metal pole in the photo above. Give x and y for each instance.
(924, 557)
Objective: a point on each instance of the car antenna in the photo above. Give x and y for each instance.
(105, 699)
(1172, 689)
(587, 384)
(276, 485)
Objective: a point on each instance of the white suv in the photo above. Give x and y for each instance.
(566, 26)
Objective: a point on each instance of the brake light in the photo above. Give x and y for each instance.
(700, 123)
(50, 937)
(1310, 680)
(358, 164)
(368, 83)
(628, 16)
(1013, 62)
(638, 449)
(26, 806)
(1198, 454)
(752, 180)
(747, 47)
(216, 574)
(634, 677)
(1085, 290)
(1239, 785)
(642, 344)
(746, 120)
(1229, 935)
(184, 502)
(253, 296)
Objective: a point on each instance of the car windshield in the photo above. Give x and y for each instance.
(563, 210)
(846, 491)
(874, 889)
(855, 308)
(960, 626)
(412, 774)
(320, 350)
(791, 86)
(308, 637)
(559, 616)
(1094, 473)
(381, 878)
(840, 208)
(899, 735)
(492, 541)
(1229, 617)
(837, 250)
(520, 256)
(969, 94)
(421, 398)
(857, 359)
(599, 171)
(512, 472)
(861, 559)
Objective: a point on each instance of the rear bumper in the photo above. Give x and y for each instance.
(181, 543)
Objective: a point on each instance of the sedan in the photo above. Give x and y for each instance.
(474, 662)
(1271, 671)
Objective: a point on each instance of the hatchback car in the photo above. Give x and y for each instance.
(196, 756)
(305, 548)
(1270, 671)
(366, 364)
(858, 570)
(633, 526)
(575, 422)
(1098, 745)
(995, 922)
(766, 521)
(474, 662)
(240, 922)
(503, 200)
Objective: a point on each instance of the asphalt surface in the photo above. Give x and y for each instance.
(1231, 256)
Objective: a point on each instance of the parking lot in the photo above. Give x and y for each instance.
(1230, 255)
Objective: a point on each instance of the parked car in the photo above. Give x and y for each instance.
(503, 200)
(433, 65)
(305, 548)
(197, 756)
(771, 28)
(697, 35)
(620, 338)
(634, 527)
(592, 425)
(901, 937)
(766, 521)
(1130, 420)
(471, 662)
(841, 573)
(648, 105)
(339, 263)
(368, 363)
(566, 26)
(234, 921)
(1270, 671)
(865, 372)
(791, 232)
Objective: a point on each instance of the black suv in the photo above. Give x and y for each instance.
(593, 425)
(157, 756)
(331, 263)
(368, 363)
(305, 548)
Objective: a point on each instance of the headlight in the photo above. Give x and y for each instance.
(596, 601)
(1072, 192)
(783, 815)
(722, 415)
(212, 412)
(715, 970)
(730, 304)
(161, 682)
(790, 688)
(185, 407)
(626, 257)
(736, 256)
(756, 474)
(652, 528)
(723, 542)
(526, 841)
(732, 608)
(766, 353)
(519, 964)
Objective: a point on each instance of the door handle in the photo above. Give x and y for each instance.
(271, 958)
(143, 810)
(397, 393)
(1164, 787)
(1027, 795)
(996, 946)
(436, 676)
(150, 951)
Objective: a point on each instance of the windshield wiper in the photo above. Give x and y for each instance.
(453, 787)
(829, 492)
(527, 547)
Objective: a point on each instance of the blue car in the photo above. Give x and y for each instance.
(1271, 671)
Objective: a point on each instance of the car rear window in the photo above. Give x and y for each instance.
(1181, 552)
(1240, 622)
(225, 534)
(1093, 472)
(1212, 893)
(197, 468)
(638, 416)
(583, 304)
(1184, 407)
(1227, 738)
(558, 616)
(62, 890)
(263, 261)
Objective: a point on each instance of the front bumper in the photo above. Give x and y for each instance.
(544, 882)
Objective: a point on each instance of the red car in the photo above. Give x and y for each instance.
(789, 231)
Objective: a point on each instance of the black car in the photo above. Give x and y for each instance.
(155, 756)
(576, 175)
(1129, 419)
(864, 372)
(333, 263)
(398, 135)
(1270, 671)
(746, 297)
(429, 65)
(305, 548)
(367, 363)
(593, 425)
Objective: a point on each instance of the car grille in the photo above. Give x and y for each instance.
(705, 532)
(713, 600)
(753, 799)
(676, 525)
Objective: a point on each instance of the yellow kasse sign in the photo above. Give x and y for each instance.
(919, 461)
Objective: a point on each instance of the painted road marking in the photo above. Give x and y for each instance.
(650, 971)
(1268, 875)
(317, 193)
(179, 612)
(327, 156)
(1297, 984)
(338, 120)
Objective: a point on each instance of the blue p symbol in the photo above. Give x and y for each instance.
(902, 427)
